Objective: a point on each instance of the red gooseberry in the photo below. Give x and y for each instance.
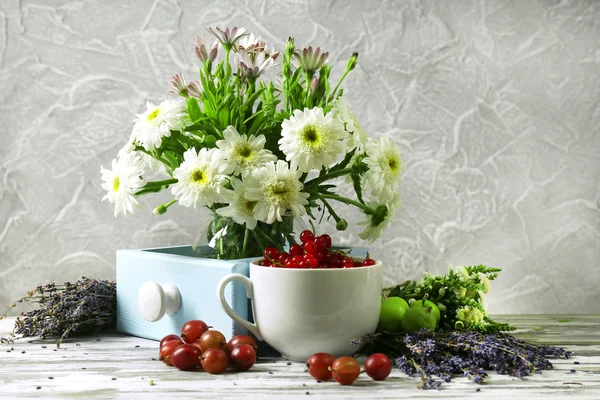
(378, 366)
(186, 357)
(318, 366)
(345, 370)
(192, 330)
(243, 357)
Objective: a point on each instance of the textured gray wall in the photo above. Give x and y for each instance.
(495, 105)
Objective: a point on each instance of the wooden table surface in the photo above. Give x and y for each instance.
(119, 366)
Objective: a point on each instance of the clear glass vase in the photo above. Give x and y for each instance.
(224, 239)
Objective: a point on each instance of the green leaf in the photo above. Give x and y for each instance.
(194, 109)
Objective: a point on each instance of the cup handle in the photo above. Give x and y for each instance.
(249, 293)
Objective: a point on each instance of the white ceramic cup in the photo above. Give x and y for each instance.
(300, 312)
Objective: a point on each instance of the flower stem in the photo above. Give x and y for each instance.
(338, 85)
(368, 210)
(246, 234)
(161, 183)
(328, 176)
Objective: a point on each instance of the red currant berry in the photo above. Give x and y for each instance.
(368, 262)
(291, 264)
(320, 243)
(307, 236)
(348, 263)
(271, 253)
(266, 263)
(283, 257)
(296, 250)
(310, 247)
(311, 260)
(327, 240)
(378, 366)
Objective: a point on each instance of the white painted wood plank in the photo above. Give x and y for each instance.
(87, 366)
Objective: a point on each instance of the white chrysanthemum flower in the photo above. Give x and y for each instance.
(276, 188)
(242, 152)
(159, 121)
(385, 168)
(357, 138)
(375, 223)
(122, 182)
(240, 209)
(311, 140)
(201, 177)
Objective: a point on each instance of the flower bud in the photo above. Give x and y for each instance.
(159, 210)
(289, 47)
(341, 225)
(210, 141)
(314, 84)
(352, 62)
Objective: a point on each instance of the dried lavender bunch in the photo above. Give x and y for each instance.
(440, 356)
(459, 296)
(86, 306)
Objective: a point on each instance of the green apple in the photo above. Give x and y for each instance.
(427, 303)
(417, 317)
(392, 311)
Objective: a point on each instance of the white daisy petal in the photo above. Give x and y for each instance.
(201, 178)
(357, 138)
(122, 181)
(240, 209)
(244, 153)
(385, 169)
(159, 121)
(312, 140)
(275, 188)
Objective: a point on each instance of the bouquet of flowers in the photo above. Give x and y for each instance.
(258, 153)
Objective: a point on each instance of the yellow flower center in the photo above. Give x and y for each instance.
(116, 184)
(312, 139)
(279, 192)
(243, 150)
(153, 114)
(249, 206)
(198, 176)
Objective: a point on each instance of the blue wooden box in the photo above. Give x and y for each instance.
(196, 279)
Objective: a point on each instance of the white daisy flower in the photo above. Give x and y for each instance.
(385, 168)
(201, 177)
(276, 188)
(311, 140)
(375, 223)
(242, 152)
(159, 121)
(240, 209)
(122, 182)
(357, 138)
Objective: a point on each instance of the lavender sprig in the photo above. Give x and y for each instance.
(86, 306)
(445, 355)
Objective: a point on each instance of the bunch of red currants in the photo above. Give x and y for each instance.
(345, 370)
(314, 252)
(200, 347)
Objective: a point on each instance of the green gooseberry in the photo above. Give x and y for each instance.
(418, 317)
(392, 311)
(428, 303)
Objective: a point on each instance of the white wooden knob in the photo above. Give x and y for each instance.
(154, 300)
